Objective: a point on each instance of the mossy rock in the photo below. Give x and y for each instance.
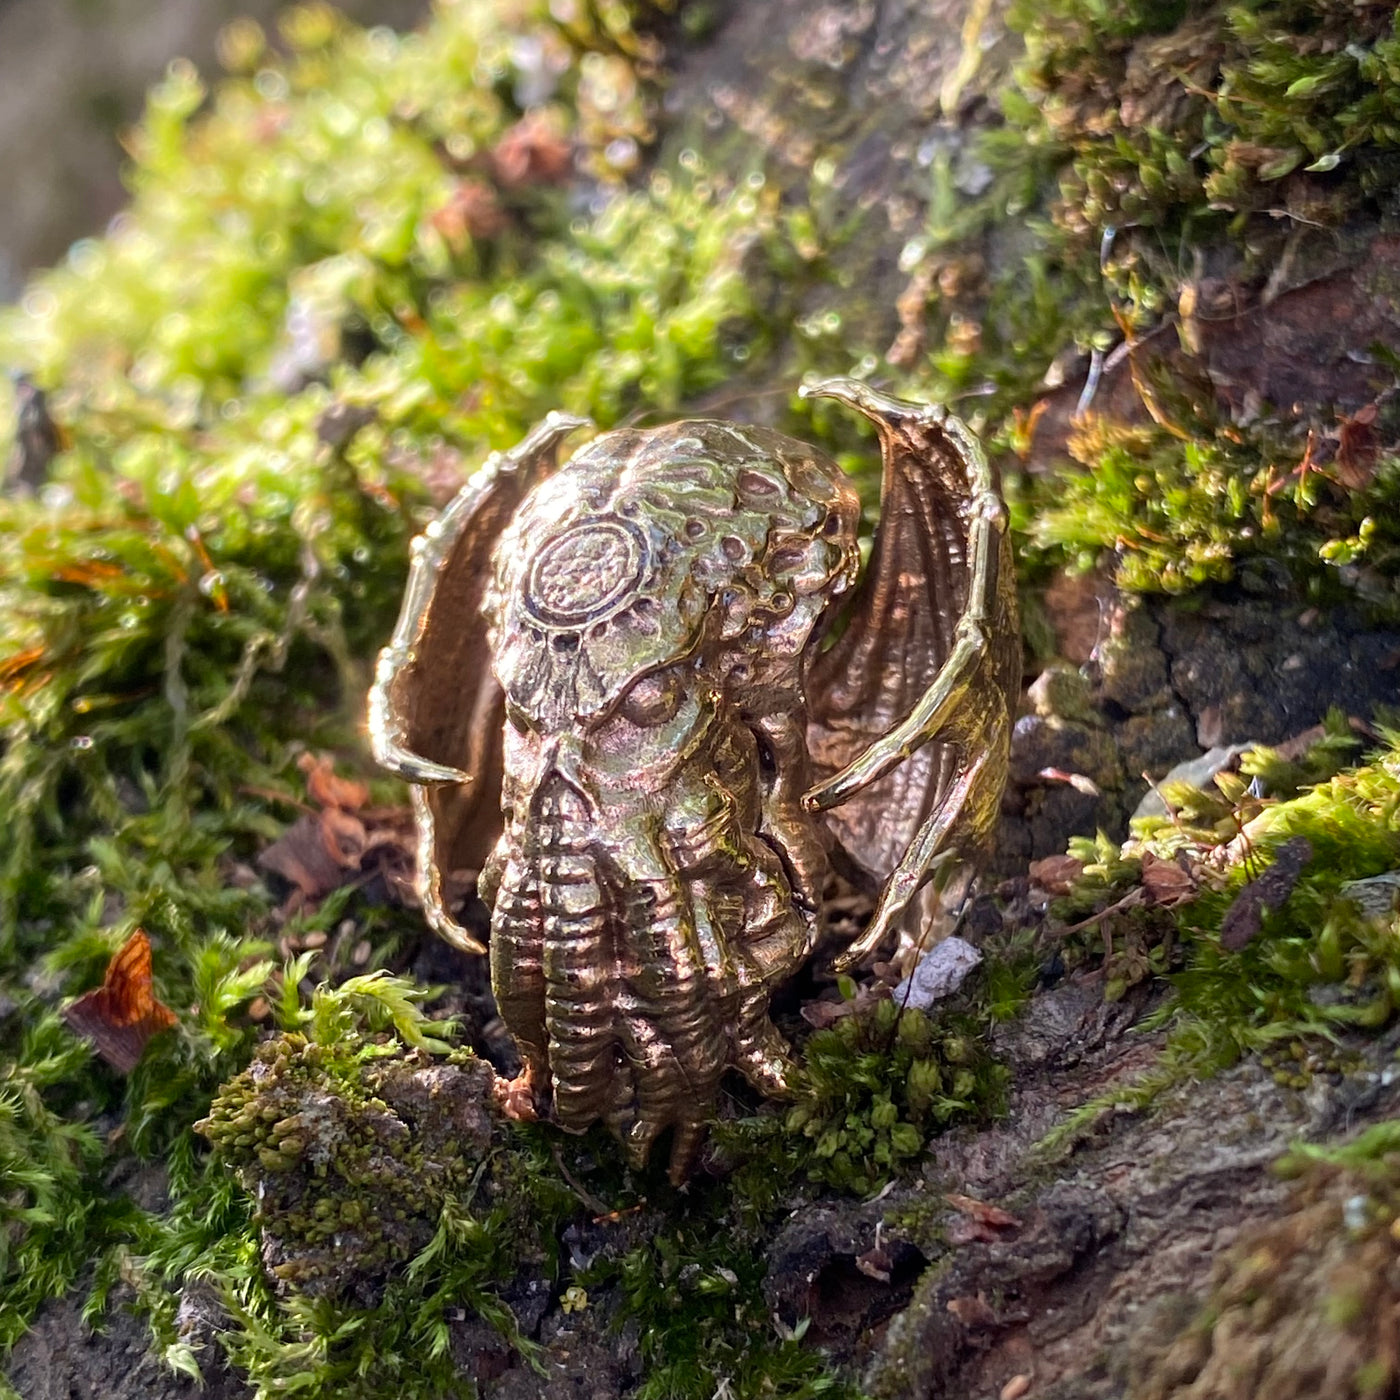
(351, 1160)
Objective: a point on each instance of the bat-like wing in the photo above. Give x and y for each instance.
(436, 711)
(910, 707)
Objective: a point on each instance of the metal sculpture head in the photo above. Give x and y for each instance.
(611, 686)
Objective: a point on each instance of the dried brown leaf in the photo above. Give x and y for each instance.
(121, 1015)
(343, 835)
(1358, 449)
(302, 857)
(1056, 874)
(1168, 882)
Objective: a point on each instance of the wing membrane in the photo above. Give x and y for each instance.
(917, 687)
(436, 712)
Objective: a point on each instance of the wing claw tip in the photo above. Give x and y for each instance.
(414, 767)
(824, 798)
(852, 957)
(452, 932)
(836, 387)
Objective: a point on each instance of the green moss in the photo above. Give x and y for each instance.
(1197, 109)
(51, 1220)
(1182, 513)
(1321, 969)
(876, 1085)
(697, 1304)
(1137, 140)
(378, 1198)
(345, 1217)
(329, 297)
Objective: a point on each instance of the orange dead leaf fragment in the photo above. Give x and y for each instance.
(121, 1015)
(985, 1213)
(18, 662)
(326, 789)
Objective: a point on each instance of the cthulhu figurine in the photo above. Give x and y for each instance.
(651, 697)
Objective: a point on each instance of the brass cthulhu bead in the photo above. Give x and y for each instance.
(650, 695)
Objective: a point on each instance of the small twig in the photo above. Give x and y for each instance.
(586, 1196)
(1170, 810)
(1130, 900)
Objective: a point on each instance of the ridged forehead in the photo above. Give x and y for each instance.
(758, 466)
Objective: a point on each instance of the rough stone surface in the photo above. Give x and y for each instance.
(1168, 680)
(1133, 1217)
(59, 1358)
(1252, 670)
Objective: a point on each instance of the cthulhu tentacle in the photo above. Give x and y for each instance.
(671, 1022)
(674, 1029)
(578, 969)
(517, 972)
(775, 939)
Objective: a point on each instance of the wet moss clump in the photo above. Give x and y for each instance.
(379, 1216)
(1202, 111)
(1163, 177)
(872, 1092)
(1181, 512)
(351, 1159)
(358, 1205)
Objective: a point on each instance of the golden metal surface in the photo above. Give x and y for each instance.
(610, 686)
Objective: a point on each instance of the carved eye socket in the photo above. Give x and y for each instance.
(653, 699)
